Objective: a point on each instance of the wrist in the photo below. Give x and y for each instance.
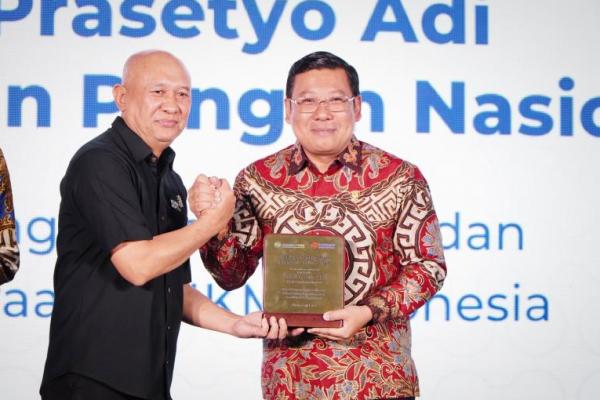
(222, 234)
(233, 325)
(202, 231)
(367, 314)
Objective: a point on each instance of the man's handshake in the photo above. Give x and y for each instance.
(212, 197)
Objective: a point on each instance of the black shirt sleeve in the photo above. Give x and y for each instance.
(104, 191)
(187, 272)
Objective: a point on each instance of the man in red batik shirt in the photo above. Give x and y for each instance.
(330, 182)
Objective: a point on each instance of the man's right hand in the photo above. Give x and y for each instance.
(204, 194)
(256, 325)
(220, 213)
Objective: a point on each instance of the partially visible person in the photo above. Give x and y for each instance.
(331, 183)
(122, 275)
(9, 250)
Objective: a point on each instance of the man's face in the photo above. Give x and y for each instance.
(323, 133)
(155, 99)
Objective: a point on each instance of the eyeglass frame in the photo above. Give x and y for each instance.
(322, 101)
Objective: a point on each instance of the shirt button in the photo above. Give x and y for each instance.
(169, 289)
(162, 218)
(167, 362)
(169, 327)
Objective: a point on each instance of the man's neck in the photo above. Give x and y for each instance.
(322, 162)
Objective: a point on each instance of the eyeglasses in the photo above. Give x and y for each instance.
(311, 104)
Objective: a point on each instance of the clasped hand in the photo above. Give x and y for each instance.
(212, 198)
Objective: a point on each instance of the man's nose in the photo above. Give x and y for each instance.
(169, 103)
(322, 111)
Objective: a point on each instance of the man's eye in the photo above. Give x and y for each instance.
(336, 100)
(307, 102)
(183, 94)
(157, 91)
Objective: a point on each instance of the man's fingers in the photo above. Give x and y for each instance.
(205, 184)
(335, 315)
(216, 182)
(328, 333)
(264, 327)
(330, 337)
(204, 205)
(200, 179)
(224, 185)
(274, 330)
(204, 188)
(296, 331)
(282, 329)
(319, 331)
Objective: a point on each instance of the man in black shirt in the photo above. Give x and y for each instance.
(122, 273)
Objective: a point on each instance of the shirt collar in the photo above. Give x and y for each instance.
(349, 157)
(138, 148)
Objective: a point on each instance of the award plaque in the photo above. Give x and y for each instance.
(303, 278)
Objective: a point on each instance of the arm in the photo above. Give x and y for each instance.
(143, 260)
(418, 253)
(233, 255)
(226, 249)
(199, 311)
(102, 188)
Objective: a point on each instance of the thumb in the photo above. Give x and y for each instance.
(225, 185)
(201, 178)
(335, 315)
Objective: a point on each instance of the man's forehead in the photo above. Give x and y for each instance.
(155, 67)
(161, 76)
(321, 80)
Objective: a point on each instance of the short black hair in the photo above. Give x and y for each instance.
(321, 60)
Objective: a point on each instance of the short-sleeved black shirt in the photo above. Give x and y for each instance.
(115, 190)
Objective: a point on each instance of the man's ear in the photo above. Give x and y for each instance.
(120, 94)
(357, 109)
(288, 109)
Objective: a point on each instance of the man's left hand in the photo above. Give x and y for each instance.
(353, 317)
(255, 325)
(252, 325)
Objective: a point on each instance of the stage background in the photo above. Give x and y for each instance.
(496, 101)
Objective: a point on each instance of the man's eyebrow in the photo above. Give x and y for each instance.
(164, 84)
(334, 92)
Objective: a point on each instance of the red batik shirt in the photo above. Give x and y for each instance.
(381, 205)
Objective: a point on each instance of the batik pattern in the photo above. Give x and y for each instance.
(9, 251)
(382, 206)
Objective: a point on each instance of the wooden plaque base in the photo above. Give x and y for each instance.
(305, 320)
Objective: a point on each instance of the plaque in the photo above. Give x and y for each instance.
(303, 278)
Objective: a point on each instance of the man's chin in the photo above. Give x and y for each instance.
(327, 145)
(169, 134)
